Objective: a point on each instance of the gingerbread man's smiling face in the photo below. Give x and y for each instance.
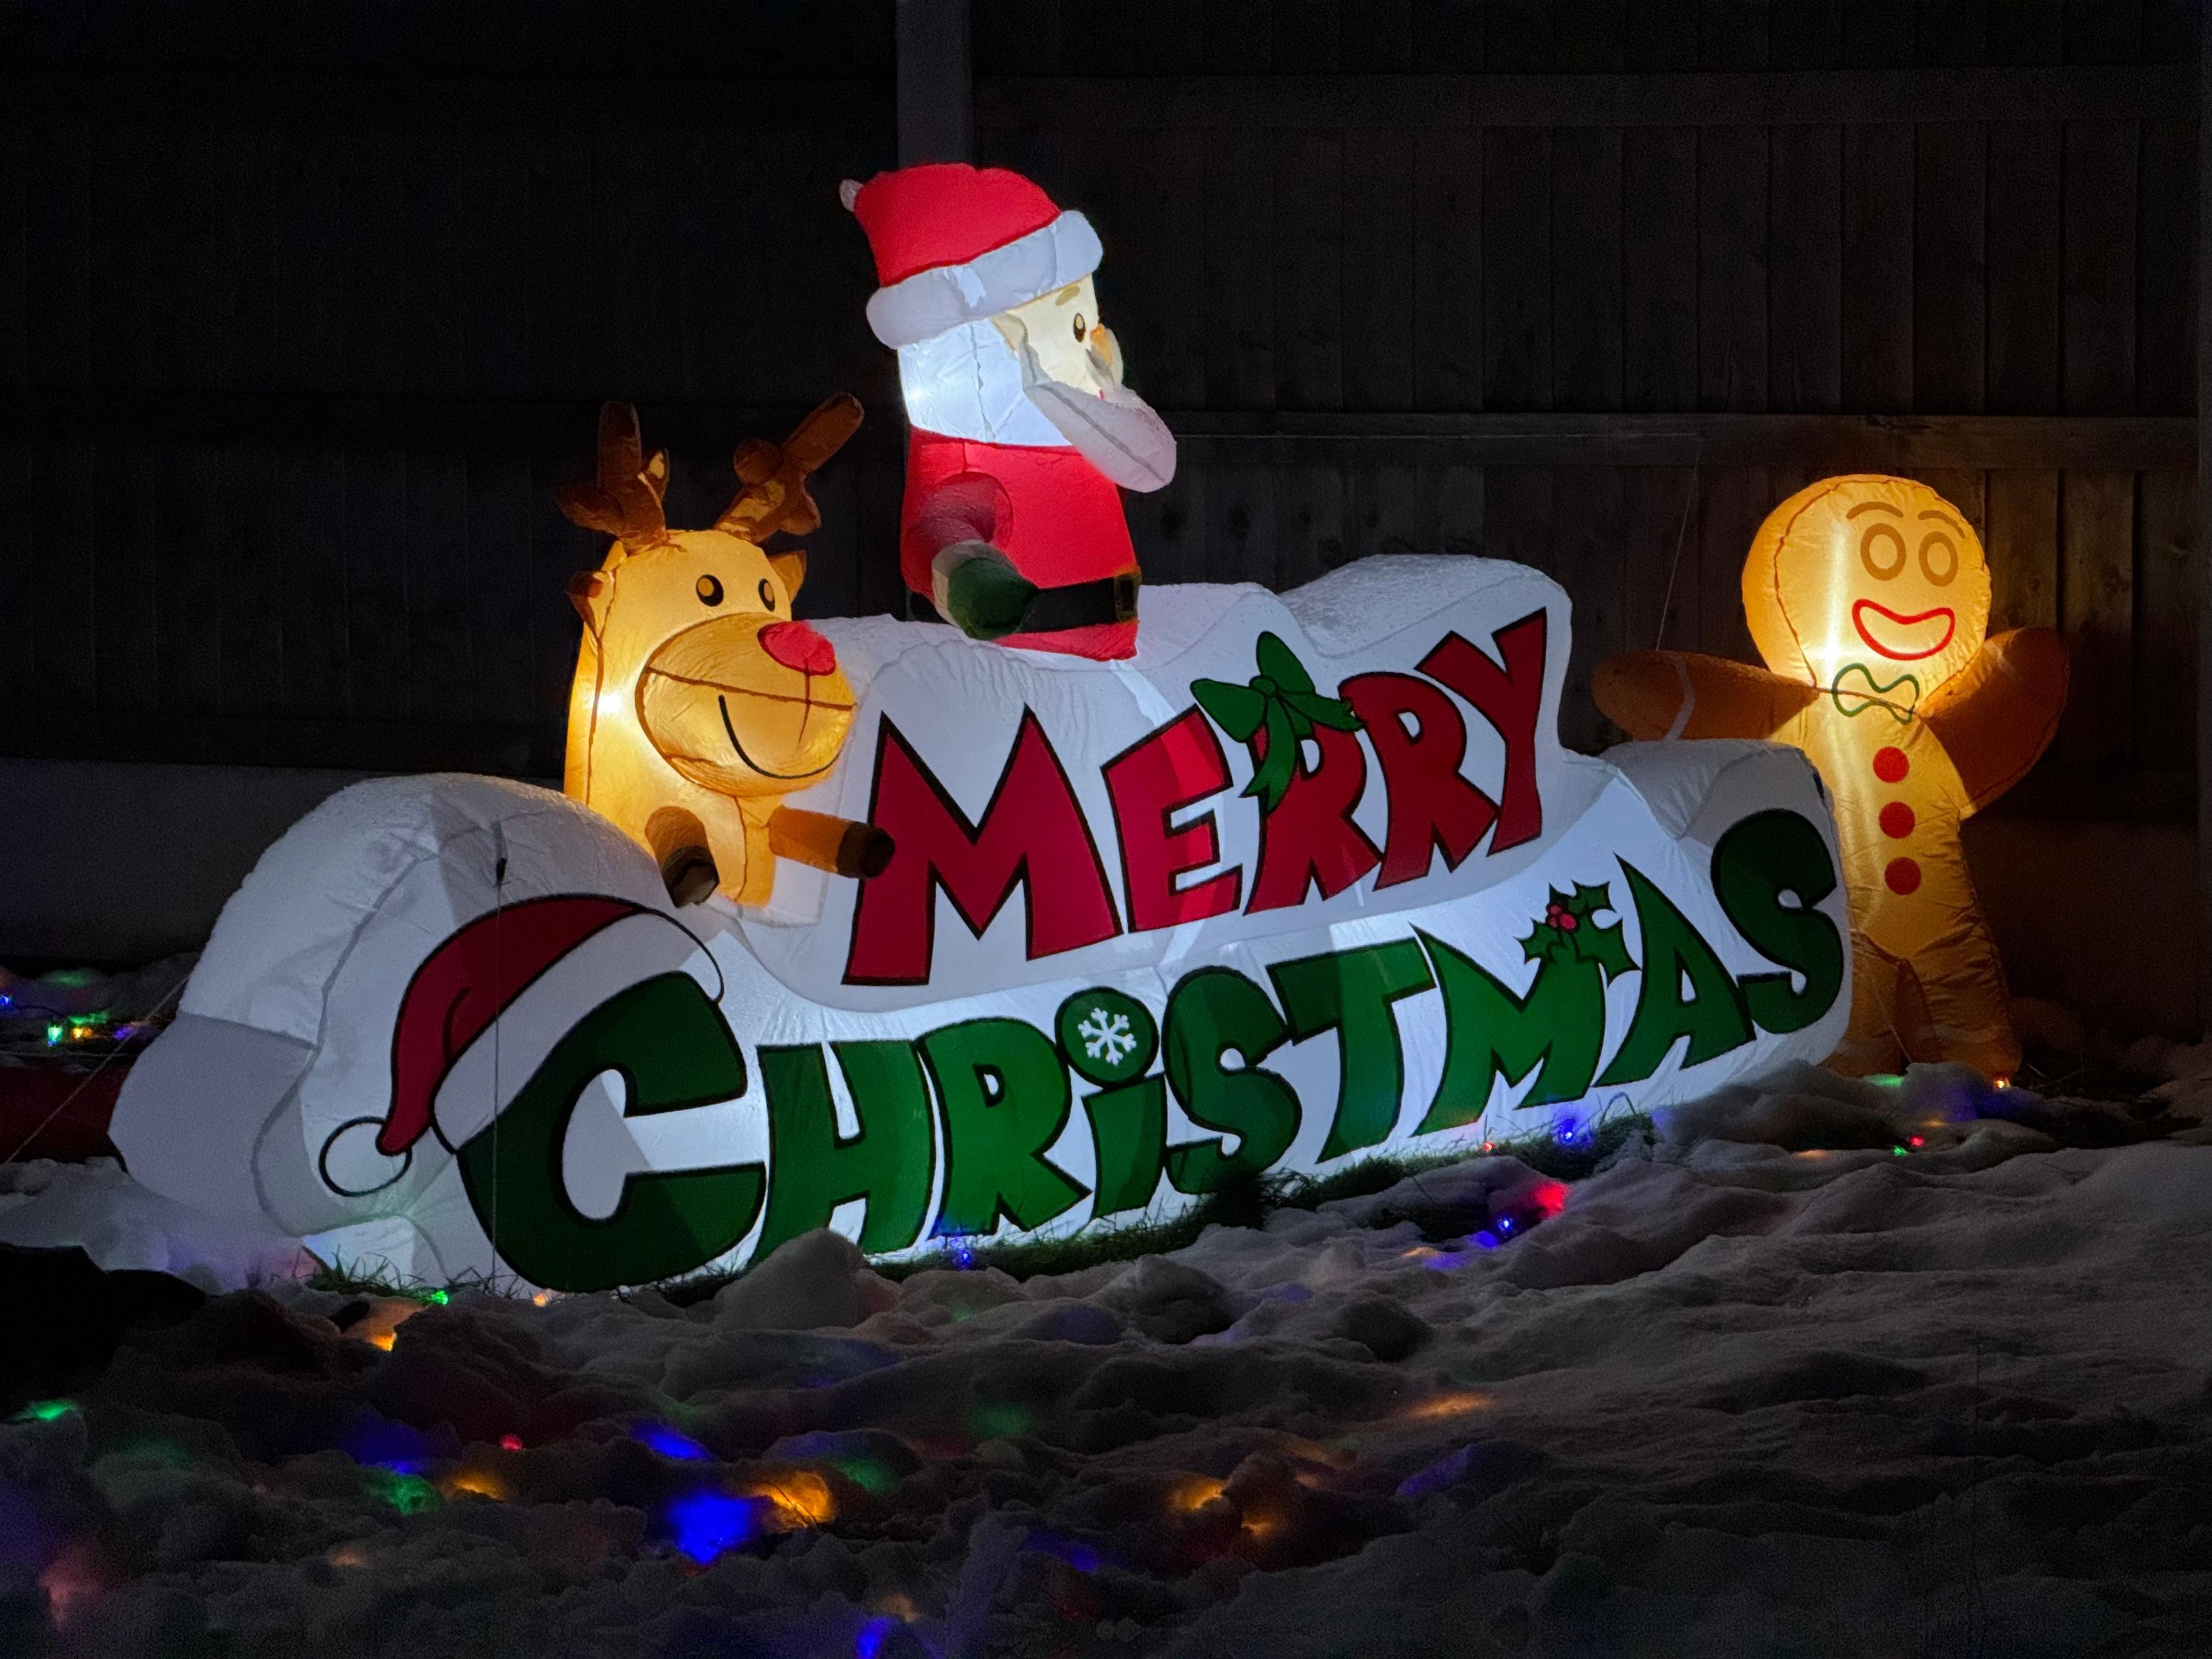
(1873, 588)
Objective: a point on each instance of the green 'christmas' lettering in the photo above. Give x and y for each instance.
(1759, 858)
(1211, 1013)
(1005, 1096)
(812, 1170)
(669, 1044)
(1350, 992)
(1712, 1016)
(1556, 1030)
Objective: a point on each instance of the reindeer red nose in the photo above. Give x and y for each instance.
(795, 645)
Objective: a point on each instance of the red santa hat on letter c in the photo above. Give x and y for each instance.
(1021, 429)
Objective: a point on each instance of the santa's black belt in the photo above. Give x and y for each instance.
(1081, 604)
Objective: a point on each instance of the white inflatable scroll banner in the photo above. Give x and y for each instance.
(1309, 878)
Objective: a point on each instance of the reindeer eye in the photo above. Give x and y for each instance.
(767, 593)
(1081, 328)
(710, 591)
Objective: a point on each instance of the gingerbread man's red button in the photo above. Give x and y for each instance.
(1897, 820)
(1903, 875)
(1890, 765)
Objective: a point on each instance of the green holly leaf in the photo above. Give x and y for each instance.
(1273, 713)
(1568, 932)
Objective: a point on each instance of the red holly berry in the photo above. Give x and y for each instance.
(1567, 923)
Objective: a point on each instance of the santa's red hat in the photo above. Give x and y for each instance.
(538, 967)
(955, 243)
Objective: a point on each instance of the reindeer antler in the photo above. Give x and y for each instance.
(772, 493)
(625, 502)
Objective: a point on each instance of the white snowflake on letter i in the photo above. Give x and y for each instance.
(1107, 1037)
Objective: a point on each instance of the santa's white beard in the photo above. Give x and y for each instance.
(968, 382)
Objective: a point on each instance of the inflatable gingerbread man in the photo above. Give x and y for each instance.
(1869, 599)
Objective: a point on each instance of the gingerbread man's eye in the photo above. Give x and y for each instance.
(1939, 558)
(709, 591)
(1881, 550)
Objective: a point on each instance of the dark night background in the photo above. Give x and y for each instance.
(304, 309)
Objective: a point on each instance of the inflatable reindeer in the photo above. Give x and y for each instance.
(699, 703)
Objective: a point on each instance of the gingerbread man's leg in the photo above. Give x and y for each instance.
(1957, 1008)
(1870, 1044)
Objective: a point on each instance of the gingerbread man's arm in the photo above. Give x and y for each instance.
(1997, 716)
(1659, 693)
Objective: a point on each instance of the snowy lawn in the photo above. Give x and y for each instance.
(1731, 1397)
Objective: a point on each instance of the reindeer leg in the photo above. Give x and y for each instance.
(678, 841)
(828, 842)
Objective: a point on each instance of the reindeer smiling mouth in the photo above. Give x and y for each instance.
(722, 702)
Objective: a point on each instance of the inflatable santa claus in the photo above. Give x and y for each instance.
(1023, 433)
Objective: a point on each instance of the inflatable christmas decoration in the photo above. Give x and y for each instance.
(1022, 431)
(1869, 597)
(698, 703)
(1306, 877)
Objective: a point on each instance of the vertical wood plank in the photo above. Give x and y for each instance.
(1804, 317)
(1662, 34)
(128, 574)
(1949, 284)
(376, 575)
(1586, 269)
(2165, 642)
(2025, 280)
(440, 583)
(1877, 307)
(316, 645)
(1737, 500)
(2026, 32)
(499, 511)
(1240, 532)
(1455, 508)
(2022, 544)
(1517, 297)
(2096, 595)
(1379, 270)
(1732, 34)
(1310, 526)
(1309, 261)
(251, 533)
(1516, 515)
(1659, 604)
(1732, 172)
(2104, 31)
(19, 584)
(1659, 278)
(2166, 251)
(1240, 365)
(2101, 267)
(1805, 34)
(194, 535)
(1448, 271)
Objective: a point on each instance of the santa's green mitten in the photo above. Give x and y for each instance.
(976, 588)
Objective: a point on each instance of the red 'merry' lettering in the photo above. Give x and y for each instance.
(1509, 698)
(1177, 766)
(1032, 832)
(1433, 805)
(1310, 837)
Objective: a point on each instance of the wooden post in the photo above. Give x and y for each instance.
(936, 109)
(2203, 530)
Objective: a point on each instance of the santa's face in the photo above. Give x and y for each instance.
(1072, 345)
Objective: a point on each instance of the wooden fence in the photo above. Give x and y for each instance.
(293, 345)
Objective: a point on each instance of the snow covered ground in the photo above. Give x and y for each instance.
(1732, 1398)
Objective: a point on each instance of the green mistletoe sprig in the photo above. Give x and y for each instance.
(1568, 932)
(1278, 702)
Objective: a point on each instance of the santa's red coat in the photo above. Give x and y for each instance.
(1049, 510)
